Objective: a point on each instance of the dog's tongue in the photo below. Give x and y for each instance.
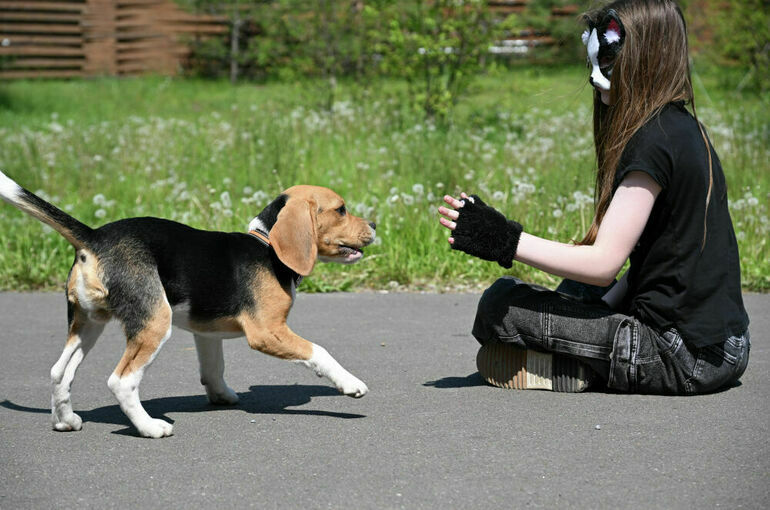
(353, 256)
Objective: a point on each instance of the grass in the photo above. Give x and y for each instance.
(212, 155)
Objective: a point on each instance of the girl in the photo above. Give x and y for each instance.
(675, 322)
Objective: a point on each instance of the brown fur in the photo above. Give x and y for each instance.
(141, 348)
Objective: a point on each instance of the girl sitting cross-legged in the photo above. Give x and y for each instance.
(674, 323)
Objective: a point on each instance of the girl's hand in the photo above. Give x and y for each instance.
(480, 230)
(451, 214)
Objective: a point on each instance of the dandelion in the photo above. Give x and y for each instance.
(557, 213)
(418, 189)
(498, 195)
(225, 199)
(100, 213)
(260, 197)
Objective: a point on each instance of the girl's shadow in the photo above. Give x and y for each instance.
(473, 379)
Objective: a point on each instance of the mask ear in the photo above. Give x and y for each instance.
(614, 31)
(293, 237)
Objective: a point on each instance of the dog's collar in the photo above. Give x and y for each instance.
(263, 237)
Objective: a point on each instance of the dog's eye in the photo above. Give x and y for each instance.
(341, 210)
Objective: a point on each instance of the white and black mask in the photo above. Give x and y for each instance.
(603, 41)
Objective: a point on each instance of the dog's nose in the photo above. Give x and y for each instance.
(373, 225)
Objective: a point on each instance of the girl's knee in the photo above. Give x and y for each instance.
(494, 316)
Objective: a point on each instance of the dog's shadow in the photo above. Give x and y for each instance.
(275, 399)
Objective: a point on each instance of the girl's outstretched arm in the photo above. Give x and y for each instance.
(595, 264)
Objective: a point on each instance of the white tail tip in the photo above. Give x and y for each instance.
(9, 190)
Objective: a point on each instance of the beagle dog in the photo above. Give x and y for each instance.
(150, 273)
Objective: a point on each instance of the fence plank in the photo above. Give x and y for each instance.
(41, 17)
(76, 63)
(42, 6)
(10, 28)
(26, 39)
(62, 51)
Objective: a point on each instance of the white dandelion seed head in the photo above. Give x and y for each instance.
(224, 197)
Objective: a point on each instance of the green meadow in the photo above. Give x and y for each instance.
(213, 155)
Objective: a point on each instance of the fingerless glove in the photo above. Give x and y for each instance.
(482, 231)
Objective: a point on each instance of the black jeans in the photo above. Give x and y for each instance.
(628, 355)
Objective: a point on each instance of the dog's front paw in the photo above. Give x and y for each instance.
(353, 387)
(67, 423)
(155, 429)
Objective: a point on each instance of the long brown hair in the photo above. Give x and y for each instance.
(651, 70)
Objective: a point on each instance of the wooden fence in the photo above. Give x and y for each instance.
(81, 38)
(72, 38)
(524, 41)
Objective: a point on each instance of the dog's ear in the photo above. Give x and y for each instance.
(293, 237)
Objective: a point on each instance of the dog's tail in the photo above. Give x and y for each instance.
(71, 229)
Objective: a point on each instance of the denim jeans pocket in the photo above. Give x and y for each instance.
(664, 362)
(719, 365)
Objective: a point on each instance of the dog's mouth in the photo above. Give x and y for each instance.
(350, 254)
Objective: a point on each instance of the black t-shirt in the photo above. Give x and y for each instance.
(675, 281)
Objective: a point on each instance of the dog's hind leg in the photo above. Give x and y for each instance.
(83, 333)
(212, 369)
(145, 336)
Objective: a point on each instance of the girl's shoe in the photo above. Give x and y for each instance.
(506, 366)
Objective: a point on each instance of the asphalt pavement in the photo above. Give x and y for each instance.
(430, 434)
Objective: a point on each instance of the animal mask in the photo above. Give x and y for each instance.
(603, 41)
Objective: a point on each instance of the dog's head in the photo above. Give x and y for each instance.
(309, 223)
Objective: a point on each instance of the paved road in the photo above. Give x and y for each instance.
(429, 435)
